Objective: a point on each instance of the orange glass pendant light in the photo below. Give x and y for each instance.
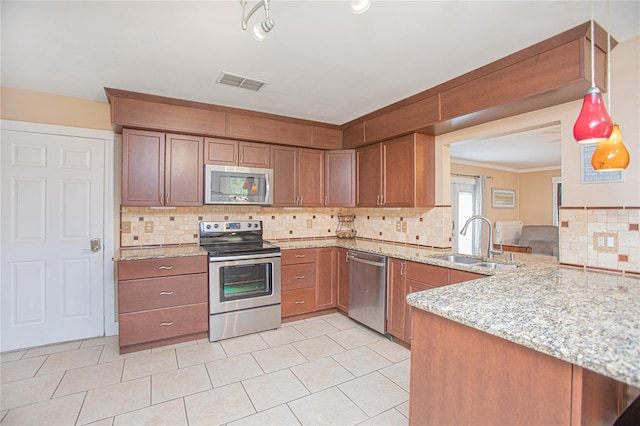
(611, 155)
(594, 123)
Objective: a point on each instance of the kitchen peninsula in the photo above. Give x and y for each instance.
(546, 346)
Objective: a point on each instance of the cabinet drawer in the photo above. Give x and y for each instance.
(298, 276)
(147, 326)
(150, 268)
(162, 292)
(298, 301)
(428, 274)
(290, 257)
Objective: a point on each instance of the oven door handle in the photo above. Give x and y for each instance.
(244, 257)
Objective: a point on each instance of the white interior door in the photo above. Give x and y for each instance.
(52, 199)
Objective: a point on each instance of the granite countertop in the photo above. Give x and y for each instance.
(587, 318)
(160, 252)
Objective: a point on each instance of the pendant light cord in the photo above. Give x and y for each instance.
(593, 51)
(609, 56)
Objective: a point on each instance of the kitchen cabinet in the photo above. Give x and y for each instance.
(236, 153)
(461, 375)
(397, 173)
(298, 281)
(342, 278)
(298, 176)
(407, 277)
(326, 285)
(161, 169)
(162, 301)
(340, 178)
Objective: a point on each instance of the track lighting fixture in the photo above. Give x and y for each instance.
(360, 6)
(262, 28)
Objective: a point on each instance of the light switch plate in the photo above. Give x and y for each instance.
(148, 227)
(126, 227)
(605, 241)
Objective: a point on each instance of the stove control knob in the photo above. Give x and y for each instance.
(208, 227)
(255, 225)
(215, 225)
(248, 225)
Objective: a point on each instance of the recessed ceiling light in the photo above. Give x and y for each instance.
(241, 81)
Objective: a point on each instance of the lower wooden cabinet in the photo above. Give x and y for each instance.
(405, 277)
(309, 280)
(162, 301)
(342, 279)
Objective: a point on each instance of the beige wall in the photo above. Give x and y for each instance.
(536, 201)
(36, 107)
(534, 193)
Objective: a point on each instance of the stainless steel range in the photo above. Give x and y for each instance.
(244, 279)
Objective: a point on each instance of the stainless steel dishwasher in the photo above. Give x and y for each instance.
(368, 289)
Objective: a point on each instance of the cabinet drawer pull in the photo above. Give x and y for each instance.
(166, 324)
(299, 302)
(168, 268)
(166, 293)
(299, 277)
(299, 256)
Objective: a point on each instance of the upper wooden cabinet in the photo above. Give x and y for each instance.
(236, 153)
(397, 173)
(161, 169)
(298, 176)
(340, 178)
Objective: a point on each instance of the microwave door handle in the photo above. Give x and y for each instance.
(267, 187)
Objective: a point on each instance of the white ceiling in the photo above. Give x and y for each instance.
(322, 62)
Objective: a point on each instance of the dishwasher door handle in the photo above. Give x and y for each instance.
(368, 262)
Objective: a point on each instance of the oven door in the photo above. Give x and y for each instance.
(243, 282)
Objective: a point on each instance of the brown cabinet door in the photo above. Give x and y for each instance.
(399, 172)
(340, 178)
(369, 176)
(311, 177)
(326, 278)
(254, 155)
(220, 151)
(284, 161)
(184, 170)
(412, 287)
(342, 273)
(458, 276)
(143, 166)
(396, 298)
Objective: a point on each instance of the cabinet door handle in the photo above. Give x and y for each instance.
(301, 197)
(402, 268)
(299, 277)
(382, 200)
(161, 198)
(166, 293)
(378, 201)
(166, 324)
(299, 302)
(167, 198)
(326, 200)
(300, 255)
(168, 268)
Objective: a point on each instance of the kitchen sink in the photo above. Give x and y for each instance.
(456, 258)
(495, 265)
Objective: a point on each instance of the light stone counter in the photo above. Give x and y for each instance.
(158, 252)
(590, 319)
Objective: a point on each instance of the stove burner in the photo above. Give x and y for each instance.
(234, 238)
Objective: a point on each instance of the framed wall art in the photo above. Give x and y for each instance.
(503, 198)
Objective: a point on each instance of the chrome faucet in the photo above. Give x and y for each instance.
(491, 251)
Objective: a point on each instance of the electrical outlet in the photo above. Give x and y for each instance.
(148, 227)
(309, 223)
(404, 226)
(605, 241)
(398, 226)
(126, 227)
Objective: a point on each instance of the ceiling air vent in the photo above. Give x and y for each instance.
(241, 81)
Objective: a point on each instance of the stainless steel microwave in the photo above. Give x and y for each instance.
(237, 185)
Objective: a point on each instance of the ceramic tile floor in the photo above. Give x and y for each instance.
(326, 370)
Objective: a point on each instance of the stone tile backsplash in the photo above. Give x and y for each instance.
(577, 230)
(427, 227)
